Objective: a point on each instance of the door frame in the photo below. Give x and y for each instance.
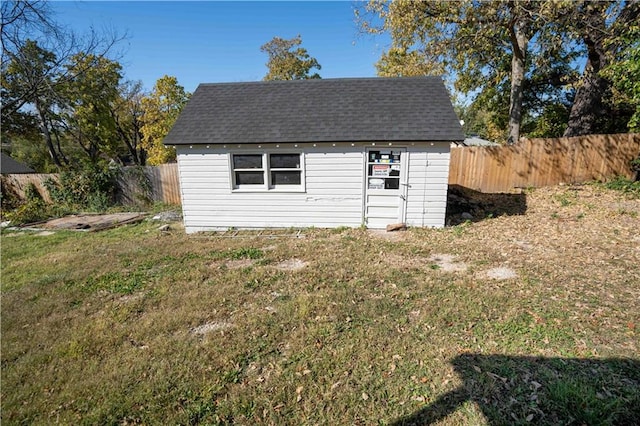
(403, 181)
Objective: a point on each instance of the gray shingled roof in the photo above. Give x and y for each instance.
(330, 110)
(10, 166)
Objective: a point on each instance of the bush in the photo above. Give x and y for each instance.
(34, 210)
(92, 187)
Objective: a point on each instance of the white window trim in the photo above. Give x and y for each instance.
(267, 186)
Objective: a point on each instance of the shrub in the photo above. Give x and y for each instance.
(91, 187)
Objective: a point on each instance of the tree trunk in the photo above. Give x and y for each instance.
(47, 134)
(589, 110)
(519, 42)
(515, 107)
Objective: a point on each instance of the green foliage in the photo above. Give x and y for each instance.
(88, 97)
(34, 210)
(551, 123)
(622, 184)
(398, 62)
(286, 62)
(160, 111)
(116, 282)
(31, 193)
(92, 187)
(246, 253)
(624, 73)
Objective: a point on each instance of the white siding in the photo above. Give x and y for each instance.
(428, 181)
(333, 195)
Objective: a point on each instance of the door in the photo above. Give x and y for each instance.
(386, 187)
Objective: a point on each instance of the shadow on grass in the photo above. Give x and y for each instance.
(511, 390)
(466, 204)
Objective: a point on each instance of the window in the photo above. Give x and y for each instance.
(248, 170)
(267, 171)
(285, 169)
(383, 169)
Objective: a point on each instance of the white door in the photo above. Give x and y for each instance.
(386, 187)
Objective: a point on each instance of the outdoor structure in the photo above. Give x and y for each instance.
(323, 153)
(10, 166)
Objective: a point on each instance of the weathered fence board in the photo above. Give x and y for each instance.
(149, 183)
(543, 162)
(19, 182)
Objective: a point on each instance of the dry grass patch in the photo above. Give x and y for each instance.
(132, 325)
(291, 265)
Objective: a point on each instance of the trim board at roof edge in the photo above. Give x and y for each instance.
(314, 144)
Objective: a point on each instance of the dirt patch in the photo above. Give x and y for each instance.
(500, 273)
(239, 263)
(404, 261)
(447, 263)
(210, 327)
(389, 236)
(291, 265)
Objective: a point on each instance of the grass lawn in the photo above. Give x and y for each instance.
(523, 319)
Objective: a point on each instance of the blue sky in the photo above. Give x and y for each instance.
(210, 42)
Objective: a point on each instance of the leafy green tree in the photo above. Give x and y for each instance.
(624, 74)
(160, 111)
(287, 61)
(398, 62)
(88, 102)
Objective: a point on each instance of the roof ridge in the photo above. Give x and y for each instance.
(320, 80)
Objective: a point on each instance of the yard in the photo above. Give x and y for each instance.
(514, 319)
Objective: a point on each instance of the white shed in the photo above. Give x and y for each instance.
(323, 153)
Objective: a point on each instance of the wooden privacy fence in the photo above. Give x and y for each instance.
(543, 162)
(149, 183)
(136, 184)
(19, 183)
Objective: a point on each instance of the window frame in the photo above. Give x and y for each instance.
(235, 170)
(268, 185)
